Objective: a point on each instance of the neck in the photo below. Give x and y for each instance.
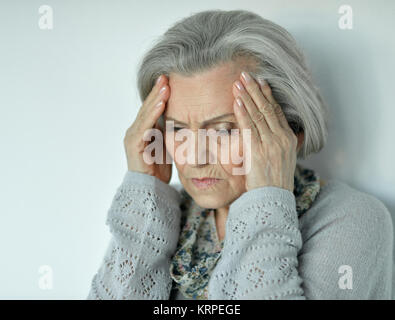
(221, 214)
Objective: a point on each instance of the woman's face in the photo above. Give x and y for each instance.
(192, 104)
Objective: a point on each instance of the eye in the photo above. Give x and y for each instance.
(176, 129)
(224, 131)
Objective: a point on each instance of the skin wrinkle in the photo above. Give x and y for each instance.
(212, 120)
(194, 100)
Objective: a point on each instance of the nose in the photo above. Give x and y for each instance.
(202, 149)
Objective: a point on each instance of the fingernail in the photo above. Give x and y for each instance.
(161, 90)
(158, 80)
(239, 85)
(262, 82)
(246, 76)
(159, 104)
(239, 102)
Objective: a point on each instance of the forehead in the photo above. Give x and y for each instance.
(203, 96)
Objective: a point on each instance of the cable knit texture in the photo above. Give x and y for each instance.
(268, 252)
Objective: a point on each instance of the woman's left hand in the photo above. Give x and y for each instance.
(273, 143)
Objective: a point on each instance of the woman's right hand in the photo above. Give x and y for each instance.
(147, 117)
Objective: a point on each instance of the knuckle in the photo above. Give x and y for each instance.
(277, 110)
(268, 109)
(259, 117)
(288, 141)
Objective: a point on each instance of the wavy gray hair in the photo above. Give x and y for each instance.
(209, 38)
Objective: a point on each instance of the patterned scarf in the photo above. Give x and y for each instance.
(199, 248)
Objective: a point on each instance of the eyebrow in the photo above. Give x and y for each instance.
(206, 121)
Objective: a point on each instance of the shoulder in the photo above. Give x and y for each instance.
(349, 213)
(346, 227)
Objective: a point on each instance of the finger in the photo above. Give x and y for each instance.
(264, 106)
(244, 120)
(160, 82)
(155, 93)
(267, 91)
(154, 96)
(256, 116)
(150, 112)
(150, 119)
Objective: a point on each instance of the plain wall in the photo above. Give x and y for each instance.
(69, 94)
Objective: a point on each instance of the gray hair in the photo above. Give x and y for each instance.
(209, 38)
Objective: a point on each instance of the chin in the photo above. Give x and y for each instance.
(209, 201)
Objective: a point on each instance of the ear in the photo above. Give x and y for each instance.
(300, 137)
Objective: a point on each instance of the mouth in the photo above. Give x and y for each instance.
(204, 183)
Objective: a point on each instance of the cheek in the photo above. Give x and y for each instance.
(234, 154)
(169, 143)
(235, 186)
(237, 182)
(171, 147)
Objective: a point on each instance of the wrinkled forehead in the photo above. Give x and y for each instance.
(202, 96)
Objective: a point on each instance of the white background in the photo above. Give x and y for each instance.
(69, 94)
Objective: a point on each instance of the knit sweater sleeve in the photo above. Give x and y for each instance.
(263, 258)
(259, 257)
(144, 220)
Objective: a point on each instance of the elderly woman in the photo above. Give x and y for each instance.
(276, 232)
